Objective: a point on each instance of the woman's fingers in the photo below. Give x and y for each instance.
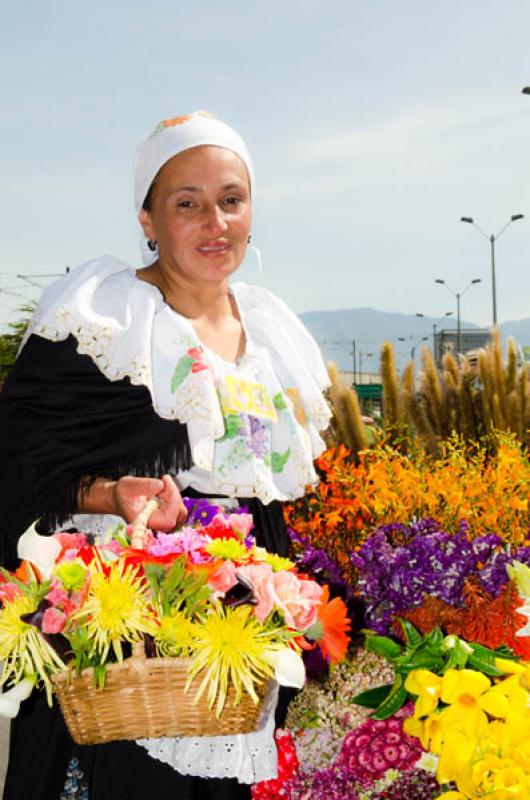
(172, 511)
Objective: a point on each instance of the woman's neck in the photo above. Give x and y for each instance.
(189, 298)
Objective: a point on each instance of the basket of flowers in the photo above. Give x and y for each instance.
(150, 634)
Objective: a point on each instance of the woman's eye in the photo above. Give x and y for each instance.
(185, 204)
(233, 201)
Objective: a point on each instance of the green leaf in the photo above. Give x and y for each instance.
(279, 460)
(393, 702)
(411, 635)
(383, 646)
(279, 402)
(372, 698)
(483, 660)
(182, 370)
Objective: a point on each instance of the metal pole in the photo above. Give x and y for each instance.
(459, 324)
(354, 362)
(493, 281)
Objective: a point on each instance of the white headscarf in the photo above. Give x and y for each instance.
(173, 136)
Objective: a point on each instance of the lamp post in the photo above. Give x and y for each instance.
(458, 295)
(366, 355)
(492, 238)
(435, 325)
(413, 348)
(352, 353)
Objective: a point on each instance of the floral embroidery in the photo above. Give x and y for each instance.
(174, 121)
(192, 361)
(75, 788)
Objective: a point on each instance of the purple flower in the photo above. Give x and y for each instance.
(200, 510)
(399, 565)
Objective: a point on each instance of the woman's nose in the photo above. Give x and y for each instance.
(215, 220)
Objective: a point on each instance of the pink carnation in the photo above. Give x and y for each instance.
(70, 544)
(165, 544)
(53, 621)
(8, 592)
(224, 578)
(377, 746)
(57, 596)
(219, 528)
(260, 577)
(241, 524)
(297, 598)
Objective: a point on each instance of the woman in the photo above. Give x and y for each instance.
(159, 382)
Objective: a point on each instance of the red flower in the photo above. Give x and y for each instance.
(288, 766)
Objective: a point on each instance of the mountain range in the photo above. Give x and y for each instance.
(335, 332)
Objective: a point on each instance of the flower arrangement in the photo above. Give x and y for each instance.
(437, 551)
(385, 487)
(205, 592)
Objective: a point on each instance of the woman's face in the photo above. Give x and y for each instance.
(201, 213)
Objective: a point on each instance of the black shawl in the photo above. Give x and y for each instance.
(63, 424)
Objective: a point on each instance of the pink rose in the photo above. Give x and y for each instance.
(53, 621)
(241, 524)
(224, 578)
(57, 596)
(297, 598)
(260, 578)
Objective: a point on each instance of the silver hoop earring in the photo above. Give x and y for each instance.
(152, 245)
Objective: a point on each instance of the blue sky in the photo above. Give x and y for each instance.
(374, 126)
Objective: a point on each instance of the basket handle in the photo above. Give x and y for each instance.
(138, 541)
(140, 524)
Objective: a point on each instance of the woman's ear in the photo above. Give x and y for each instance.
(146, 223)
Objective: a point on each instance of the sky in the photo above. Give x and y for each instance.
(374, 126)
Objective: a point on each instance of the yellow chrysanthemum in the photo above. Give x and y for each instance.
(22, 648)
(175, 636)
(116, 609)
(278, 563)
(228, 549)
(231, 649)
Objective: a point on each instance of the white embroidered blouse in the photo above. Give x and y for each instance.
(253, 425)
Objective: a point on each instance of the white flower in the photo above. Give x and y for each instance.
(42, 551)
(289, 667)
(10, 701)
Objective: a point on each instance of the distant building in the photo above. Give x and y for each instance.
(446, 341)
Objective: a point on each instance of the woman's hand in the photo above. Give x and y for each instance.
(127, 496)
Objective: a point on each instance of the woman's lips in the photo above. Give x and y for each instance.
(213, 250)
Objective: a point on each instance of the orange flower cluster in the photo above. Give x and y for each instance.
(384, 486)
(487, 621)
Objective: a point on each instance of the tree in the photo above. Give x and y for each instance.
(10, 342)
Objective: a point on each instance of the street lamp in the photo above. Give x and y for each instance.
(366, 355)
(458, 295)
(435, 325)
(352, 353)
(492, 239)
(413, 348)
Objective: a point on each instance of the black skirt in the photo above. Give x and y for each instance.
(46, 764)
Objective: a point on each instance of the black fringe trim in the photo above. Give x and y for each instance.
(165, 460)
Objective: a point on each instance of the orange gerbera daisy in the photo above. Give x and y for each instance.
(331, 626)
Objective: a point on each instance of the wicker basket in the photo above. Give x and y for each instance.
(144, 697)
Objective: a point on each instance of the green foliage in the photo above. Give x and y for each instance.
(10, 342)
(433, 652)
(176, 591)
